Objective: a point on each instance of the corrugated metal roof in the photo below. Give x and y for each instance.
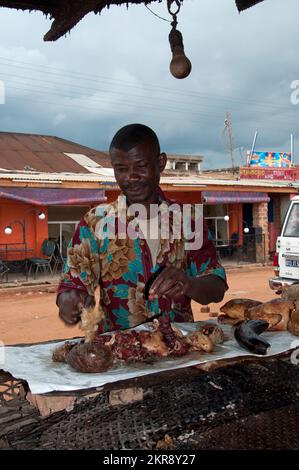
(54, 177)
(166, 180)
(45, 153)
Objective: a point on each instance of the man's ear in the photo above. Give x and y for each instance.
(162, 161)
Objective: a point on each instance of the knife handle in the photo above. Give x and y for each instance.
(151, 280)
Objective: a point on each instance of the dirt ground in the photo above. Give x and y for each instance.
(33, 316)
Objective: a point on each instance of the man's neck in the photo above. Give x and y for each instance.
(147, 205)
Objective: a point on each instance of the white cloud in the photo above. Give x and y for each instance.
(59, 119)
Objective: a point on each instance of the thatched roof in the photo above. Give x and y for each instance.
(244, 4)
(67, 13)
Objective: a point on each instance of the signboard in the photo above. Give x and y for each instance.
(260, 173)
(271, 159)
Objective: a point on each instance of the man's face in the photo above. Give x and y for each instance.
(137, 172)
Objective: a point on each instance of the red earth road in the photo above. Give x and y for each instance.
(33, 316)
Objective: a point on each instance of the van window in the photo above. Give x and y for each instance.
(292, 225)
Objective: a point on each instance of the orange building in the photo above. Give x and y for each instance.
(61, 180)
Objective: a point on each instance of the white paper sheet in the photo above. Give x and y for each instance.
(34, 363)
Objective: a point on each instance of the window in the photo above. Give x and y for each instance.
(292, 225)
(62, 222)
(61, 233)
(217, 230)
(193, 166)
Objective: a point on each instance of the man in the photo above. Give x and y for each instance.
(123, 265)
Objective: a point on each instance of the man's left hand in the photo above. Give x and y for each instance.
(171, 283)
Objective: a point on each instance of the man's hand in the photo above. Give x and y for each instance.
(171, 283)
(71, 303)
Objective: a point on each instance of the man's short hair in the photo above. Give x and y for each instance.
(133, 134)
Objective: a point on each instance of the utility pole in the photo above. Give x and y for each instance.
(229, 129)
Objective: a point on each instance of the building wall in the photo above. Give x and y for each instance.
(36, 230)
(111, 195)
(187, 197)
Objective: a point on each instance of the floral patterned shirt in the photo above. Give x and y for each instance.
(122, 266)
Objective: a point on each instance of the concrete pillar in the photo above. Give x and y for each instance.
(260, 219)
(187, 166)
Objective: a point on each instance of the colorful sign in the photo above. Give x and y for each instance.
(271, 159)
(259, 173)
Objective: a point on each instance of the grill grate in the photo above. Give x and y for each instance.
(271, 430)
(195, 405)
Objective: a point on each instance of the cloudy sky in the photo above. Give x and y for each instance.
(113, 69)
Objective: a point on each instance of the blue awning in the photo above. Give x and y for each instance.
(232, 197)
(53, 196)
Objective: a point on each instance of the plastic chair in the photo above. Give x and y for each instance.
(233, 243)
(48, 249)
(3, 270)
(59, 260)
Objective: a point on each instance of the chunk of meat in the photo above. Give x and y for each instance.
(61, 352)
(273, 319)
(177, 345)
(90, 357)
(200, 342)
(290, 293)
(126, 346)
(153, 343)
(293, 323)
(236, 308)
(133, 346)
(227, 320)
(214, 332)
(273, 307)
(138, 346)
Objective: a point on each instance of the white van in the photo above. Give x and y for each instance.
(287, 247)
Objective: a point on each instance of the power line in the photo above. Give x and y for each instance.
(122, 102)
(104, 112)
(110, 80)
(42, 88)
(113, 111)
(172, 101)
